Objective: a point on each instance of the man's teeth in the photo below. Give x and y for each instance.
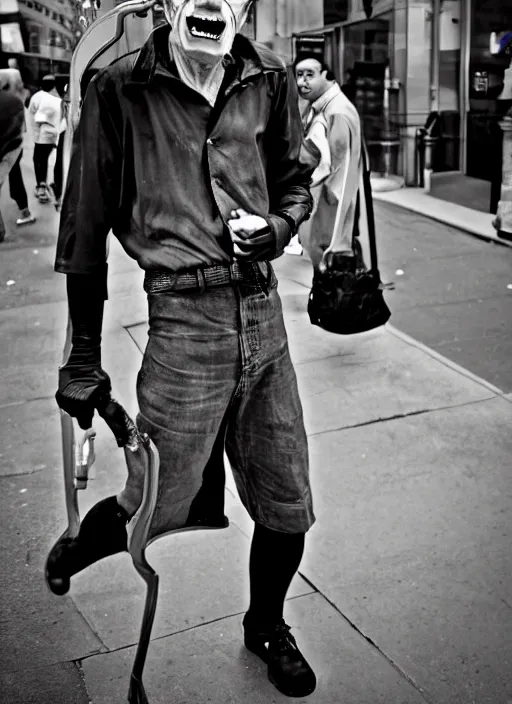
(197, 33)
(205, 26)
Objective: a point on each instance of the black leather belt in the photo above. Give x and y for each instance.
(202, 278)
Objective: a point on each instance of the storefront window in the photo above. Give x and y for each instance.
(447, 157)
(491, 20)
(365, 59)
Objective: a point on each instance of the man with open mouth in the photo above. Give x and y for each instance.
(189, 150)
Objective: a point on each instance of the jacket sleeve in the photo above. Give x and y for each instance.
(91, 197)
(288, 175)
(342, 184)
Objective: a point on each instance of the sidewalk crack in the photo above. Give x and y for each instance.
(399, 416)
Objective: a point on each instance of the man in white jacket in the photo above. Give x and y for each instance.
(45, 115)
(333, 133)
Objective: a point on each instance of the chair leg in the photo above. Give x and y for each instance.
(137, 693)
(137, 548)
(70, 487)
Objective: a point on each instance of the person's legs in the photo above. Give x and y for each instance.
(38, 167)
(267, 448)
(41, 156)
(58, 170)
(275, 559)
(19, 193)
(16, 185)
(6, 165)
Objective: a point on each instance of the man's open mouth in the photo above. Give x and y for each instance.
(207, 27)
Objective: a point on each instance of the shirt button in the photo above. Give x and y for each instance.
(211, 142)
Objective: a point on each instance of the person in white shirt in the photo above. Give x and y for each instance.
(332, 128)
(45, 115)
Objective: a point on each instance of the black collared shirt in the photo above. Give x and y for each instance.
(152, 161)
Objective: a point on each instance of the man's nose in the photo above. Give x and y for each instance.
(211, 5)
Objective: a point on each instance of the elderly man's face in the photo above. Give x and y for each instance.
(311, 79)
(206, 27)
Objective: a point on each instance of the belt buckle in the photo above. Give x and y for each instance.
(201, 280)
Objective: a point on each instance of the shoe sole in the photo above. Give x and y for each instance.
(289, 692)
(262, 654)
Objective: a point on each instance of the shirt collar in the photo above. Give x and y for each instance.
(153, 58)
(321, 102)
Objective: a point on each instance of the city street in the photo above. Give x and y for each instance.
(404, 592)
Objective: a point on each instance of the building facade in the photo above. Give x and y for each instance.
(39, 34)
(442, 65)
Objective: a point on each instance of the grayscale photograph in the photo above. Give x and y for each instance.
(256, 351)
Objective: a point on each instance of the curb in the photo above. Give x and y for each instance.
(454, 221)
(447, 362)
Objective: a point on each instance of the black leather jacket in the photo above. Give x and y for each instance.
(156, 164)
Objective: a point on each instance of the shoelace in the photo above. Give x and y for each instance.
(283, 639)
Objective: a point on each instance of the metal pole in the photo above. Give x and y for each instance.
(465, 51)
(435, 50)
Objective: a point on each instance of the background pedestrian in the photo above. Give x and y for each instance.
(12, 126)
(45, 114)
(332, 126)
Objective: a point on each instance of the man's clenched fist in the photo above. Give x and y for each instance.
(252, 236)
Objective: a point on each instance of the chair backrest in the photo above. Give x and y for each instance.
(123, 29)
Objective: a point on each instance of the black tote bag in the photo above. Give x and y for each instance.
(347, 297)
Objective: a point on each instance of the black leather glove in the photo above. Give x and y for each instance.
(263, 244)
(83, 385)
(258, 247)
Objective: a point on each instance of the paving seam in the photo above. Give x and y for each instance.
(81, 675)
(427, 698)
(424, 695)
(400, 416)
(173, 633)
(91, 627)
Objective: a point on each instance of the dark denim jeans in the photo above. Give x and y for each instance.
(217, 375)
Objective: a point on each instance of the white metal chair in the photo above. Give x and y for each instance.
(110, 36)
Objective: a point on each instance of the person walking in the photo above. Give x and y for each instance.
(12, 126)
(190, 151)
(333, 139)
(58, 169)
(45, 114)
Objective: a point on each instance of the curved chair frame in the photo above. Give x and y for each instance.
(78, 455)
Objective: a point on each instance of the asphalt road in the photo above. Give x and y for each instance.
(454, 293)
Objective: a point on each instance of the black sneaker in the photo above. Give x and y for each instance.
(102, 533)
(288, 669)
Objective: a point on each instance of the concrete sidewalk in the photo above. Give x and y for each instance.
(404, 593)
(471, 221)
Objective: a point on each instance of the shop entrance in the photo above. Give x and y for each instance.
(471, 66)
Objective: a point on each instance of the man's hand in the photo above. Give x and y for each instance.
(252, 236)
(83, 387)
